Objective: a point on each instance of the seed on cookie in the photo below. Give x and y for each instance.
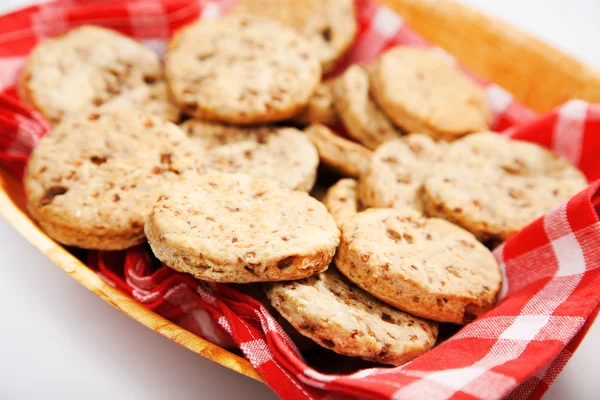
(343, 318)
(493, 186)
(241, 69)
(361, 116)
(329, 25)
(425, 266)
(92, 180)
(79, 71)
(285, 155)
(344, 156)
(397, 171)
(421, 92)
(238, 228)
(342, 200)
(320, 109)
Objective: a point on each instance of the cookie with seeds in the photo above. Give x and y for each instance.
(282, 154)
(76, 72)
(361, 116)
(329, 25)
(238, 228)
(421, 92)
(241, 69)
(320, 109)
(92, 180)
(493, 186)
(425, 266)
(344, 156)
(342, 200)
(397, 171)
(343, 318)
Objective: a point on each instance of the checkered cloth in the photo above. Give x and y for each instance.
(551, 286)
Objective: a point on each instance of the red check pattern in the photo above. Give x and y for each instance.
(551, 293)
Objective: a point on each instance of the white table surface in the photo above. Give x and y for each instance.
(59, 341)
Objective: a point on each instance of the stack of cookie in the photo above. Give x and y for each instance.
(394, 247)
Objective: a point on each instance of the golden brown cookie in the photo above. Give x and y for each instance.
(241, 70)
(81, 70)
(282, 154)
(346, 157)
(329, 25)
(422, 93)
(342, 201)
(92, 180)
(320, 108)
(493, 186)
(427, 267)
(237, 228)
(343, 318)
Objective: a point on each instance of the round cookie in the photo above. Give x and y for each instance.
(421, 92)
(343, 318)
(427, 267)
(320, 108)
(342, 201)
(397, 171)
(238, 228)
(241, 70)
(92, 180)
(74, 73)
(282, 154)
(329, 25)
(346, 157)
(362, 118)
(493, 186)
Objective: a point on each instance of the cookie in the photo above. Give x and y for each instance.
(153, 99)
(346, 157)
(282, 154)
(92, 180)
(329, 25)
(320, 108)
(342, 201)
(343, 318)
(238, 228)
(427, 267)
(421, 92)
(493, 186)
(79, 71)
(241, 70)
(397, 171)
(361, 116)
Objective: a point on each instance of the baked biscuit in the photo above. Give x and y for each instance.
(342, 201)
(320, 109)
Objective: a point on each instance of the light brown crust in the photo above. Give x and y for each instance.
(320, 109)
(83, 69)
(241, 70)
(421, 92)
(346, 157)
(493, 186)
(342, 201)
(361, 116)
(343, 318)
(281, 154)
(92, 181)
(237, 228)
(427, 267)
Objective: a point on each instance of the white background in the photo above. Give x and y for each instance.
(59, 341)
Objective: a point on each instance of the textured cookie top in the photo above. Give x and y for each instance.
(285, 155)
(329, 25)
(494, 186)
(238, 228)
(241, 69)
(83, 69)
(98, 176)
(397, 171)
(343, 318)
(342, 200)
(428, 267)
(320, 109)
(362, 118)
(421, 92)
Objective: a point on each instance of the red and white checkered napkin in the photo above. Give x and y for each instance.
(551, 290)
